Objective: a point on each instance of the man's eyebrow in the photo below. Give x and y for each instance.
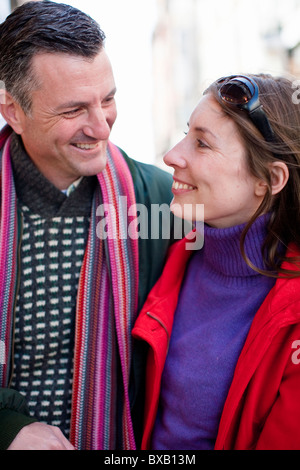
(79, 104)
(71, 104)
(203, 130)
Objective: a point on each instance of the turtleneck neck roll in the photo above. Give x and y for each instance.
(222, 254)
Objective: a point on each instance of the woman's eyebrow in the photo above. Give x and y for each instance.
(203, 130)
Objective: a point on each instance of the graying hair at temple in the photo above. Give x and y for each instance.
(42, 27)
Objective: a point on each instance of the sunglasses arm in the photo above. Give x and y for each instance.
(260, 120)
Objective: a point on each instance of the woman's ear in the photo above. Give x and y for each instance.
(279, 176)
(12, 112)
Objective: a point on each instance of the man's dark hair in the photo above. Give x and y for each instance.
(41, 27)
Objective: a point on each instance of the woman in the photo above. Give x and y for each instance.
(223, 322)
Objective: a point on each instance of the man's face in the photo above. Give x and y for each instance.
(72, 115)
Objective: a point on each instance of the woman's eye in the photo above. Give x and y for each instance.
(201, 144)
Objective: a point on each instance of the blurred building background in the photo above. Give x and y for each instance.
(165, 52)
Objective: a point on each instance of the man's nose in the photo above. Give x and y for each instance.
(97, 126)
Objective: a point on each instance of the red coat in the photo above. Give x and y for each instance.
(262, 409)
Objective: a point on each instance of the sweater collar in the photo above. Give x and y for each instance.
(222, 252)
(40, 195)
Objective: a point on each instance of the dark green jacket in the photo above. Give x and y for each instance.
(152, 187)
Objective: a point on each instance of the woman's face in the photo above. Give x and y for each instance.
(210, 170)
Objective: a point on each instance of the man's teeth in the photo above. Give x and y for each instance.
(86, 146)
(177, 185)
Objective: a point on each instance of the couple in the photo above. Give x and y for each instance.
(105, 348)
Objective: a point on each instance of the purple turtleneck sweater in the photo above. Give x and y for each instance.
(219, 298)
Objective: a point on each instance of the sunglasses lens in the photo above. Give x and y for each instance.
(243, 92)
(235, 93)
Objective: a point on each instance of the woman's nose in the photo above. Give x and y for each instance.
(175, 156)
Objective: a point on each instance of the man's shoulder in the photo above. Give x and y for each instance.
(152, 171)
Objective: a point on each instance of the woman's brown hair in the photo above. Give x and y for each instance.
(279, 100)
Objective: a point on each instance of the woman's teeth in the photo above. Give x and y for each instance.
(177, 185)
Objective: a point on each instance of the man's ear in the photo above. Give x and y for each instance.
(12, 112)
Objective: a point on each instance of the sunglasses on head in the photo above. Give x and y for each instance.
(242, 92)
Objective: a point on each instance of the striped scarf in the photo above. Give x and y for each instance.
(106, 304)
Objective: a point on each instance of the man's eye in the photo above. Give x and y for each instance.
(108, 101)
(72, 112)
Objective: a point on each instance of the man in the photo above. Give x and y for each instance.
(72, 279)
